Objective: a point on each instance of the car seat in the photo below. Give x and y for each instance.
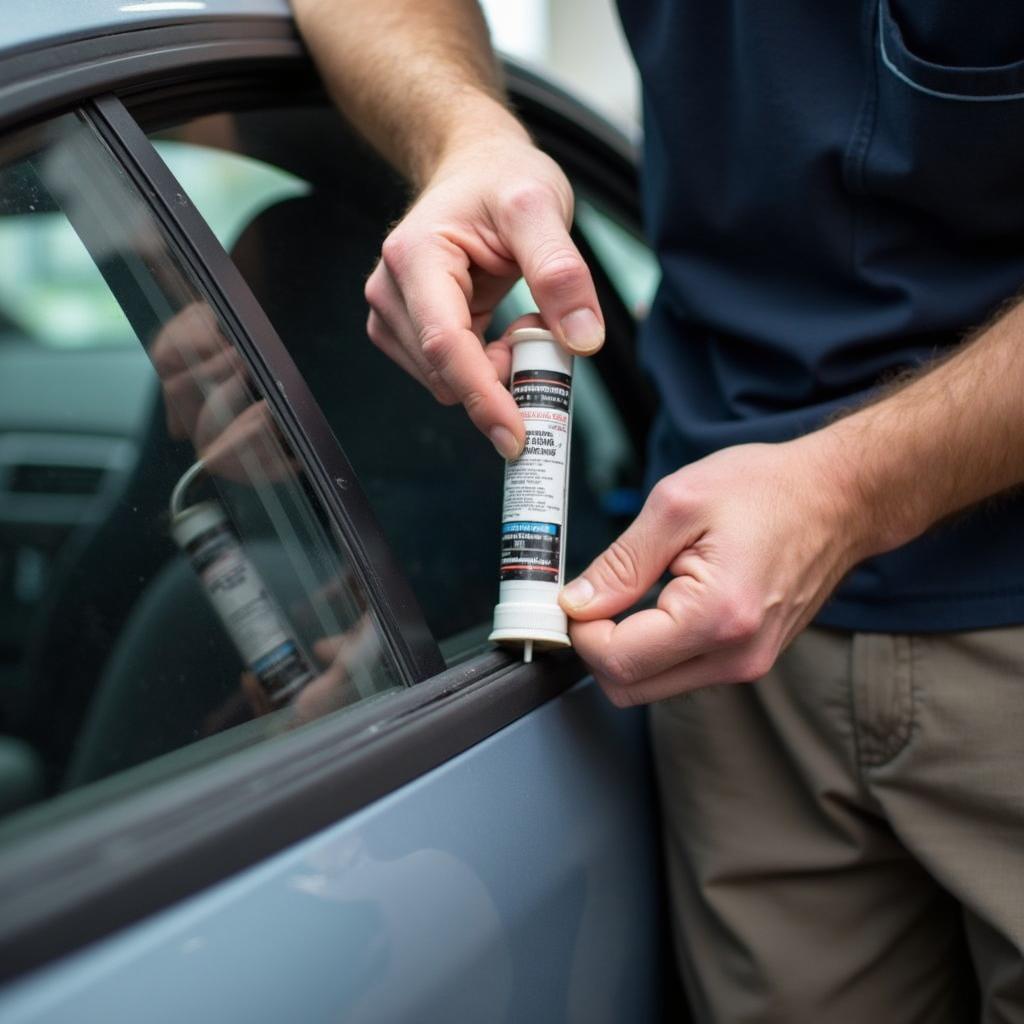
(99, 576)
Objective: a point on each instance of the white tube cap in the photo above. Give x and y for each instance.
(516, 621)
(532, 334)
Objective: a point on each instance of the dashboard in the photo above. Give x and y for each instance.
(71, 422)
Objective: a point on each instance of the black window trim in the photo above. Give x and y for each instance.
(278, 379)
(83, 879)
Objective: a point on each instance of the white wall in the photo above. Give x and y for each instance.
(577, 41)
(519, 27)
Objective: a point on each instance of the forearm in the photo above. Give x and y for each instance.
(418, 78)
(947, 439)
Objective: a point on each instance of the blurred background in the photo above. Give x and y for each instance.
(577, 41)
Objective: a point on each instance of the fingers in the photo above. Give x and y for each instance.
(500, 352)
(251, 444)
(697, 636)
(326, 693)
(190, 336)
(432, 282)
(704, 670)
(647, 642)
(526, 320)
(255, 696)
(387, 341)
(533, 227)
(185, 392)
(691, 619)
(222, 405)
(389, 329)
(188, 353)
(328, 649)
(623, 573)
(631, 674)
(452, 259)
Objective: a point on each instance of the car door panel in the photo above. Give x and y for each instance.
(439, 902)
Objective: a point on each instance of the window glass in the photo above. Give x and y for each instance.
(434, 482)
(51, 293)
(154, 608)
(238, 192)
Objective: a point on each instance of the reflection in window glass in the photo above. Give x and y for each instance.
(134, 628)
(51, 292)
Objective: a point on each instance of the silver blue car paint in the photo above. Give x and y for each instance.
(514, 883)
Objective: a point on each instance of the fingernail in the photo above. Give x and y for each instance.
(505, 442)
(578, 593)
(582, 331)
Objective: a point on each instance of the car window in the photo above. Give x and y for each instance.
(625, 256)
(169, 587)
(51, 294)
(433, 481)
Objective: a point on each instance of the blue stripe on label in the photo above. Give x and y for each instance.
(549, 528)
(272, 657)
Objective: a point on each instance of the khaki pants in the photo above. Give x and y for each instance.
(846, 837)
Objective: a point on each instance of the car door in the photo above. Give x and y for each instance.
(430, 830)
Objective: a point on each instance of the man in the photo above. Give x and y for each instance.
(836, 194)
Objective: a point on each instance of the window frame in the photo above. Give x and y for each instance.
(77, 880)
(279, 382)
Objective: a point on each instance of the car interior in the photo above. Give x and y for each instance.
(110, 655)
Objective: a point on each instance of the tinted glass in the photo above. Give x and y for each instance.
(629, 263)
(138, 618)
(434, 482)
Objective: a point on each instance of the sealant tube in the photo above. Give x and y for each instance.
(535, 507)
(238, 594)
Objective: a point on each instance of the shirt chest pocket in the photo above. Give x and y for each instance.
(947, 129)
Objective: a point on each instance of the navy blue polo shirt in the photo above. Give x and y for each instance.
(835, 192)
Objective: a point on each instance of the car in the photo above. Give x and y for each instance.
(393, 820)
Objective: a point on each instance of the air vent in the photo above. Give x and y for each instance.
(29, 478)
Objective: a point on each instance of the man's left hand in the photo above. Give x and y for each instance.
(755, 538)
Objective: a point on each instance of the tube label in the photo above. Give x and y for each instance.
(241, 600)
(542, 389)
(534, 509)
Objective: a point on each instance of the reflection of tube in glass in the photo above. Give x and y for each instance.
(536, 497)
(238, 594)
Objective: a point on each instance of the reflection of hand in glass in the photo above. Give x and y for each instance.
(209, 399)
(191, 356)
(342, 657)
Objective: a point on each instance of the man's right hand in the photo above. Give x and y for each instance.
(495, 209)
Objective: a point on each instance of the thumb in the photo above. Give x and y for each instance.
(556, 274)
(625, 571)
